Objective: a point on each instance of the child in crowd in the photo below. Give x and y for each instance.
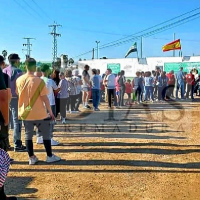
(129, 91)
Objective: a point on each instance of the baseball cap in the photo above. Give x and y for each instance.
(13, 57)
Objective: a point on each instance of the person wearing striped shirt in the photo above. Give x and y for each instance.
(4, 169)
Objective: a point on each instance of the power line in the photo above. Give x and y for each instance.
(154, 26)
(164, 28)
(49, 17)
(23, 8)
(93, 31)
(148, 34)
(32, 8)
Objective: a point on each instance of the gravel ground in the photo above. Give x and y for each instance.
(144, 152)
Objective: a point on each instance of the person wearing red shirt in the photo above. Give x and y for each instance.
(128, 91)
(171, 84)
(190, 79)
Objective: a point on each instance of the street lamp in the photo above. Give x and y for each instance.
(97, 49)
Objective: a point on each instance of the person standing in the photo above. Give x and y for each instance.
(190, 79)
(86, 86)
(14, 73)
(101, 84)
(63, 96)
(52, 87)
(138, 86)
(78, 90)
(171, 84)
(110, 82)
(180, 83)
(33, 106)
(162, 86)
(117, 87)
(95, 90)
(72, 91)
(5, 98)
(105, 85)
(148, 86)
(128, 91)
(56, 78)
(122, 88)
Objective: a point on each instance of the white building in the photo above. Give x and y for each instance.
(131, 65)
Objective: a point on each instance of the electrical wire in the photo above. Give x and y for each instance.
(155, 31)
(151, 33)
(32, 8)
(48, 16)
(154, 26)
(23, 8)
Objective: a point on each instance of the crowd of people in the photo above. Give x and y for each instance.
(39, 96)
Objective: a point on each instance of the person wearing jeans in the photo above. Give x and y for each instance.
(13, 72)
(95, 90)
(180, 83)
(33, 106)
(52, 87)
(148, 86)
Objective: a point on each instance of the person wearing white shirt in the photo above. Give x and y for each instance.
(110, 82)
(51, 86)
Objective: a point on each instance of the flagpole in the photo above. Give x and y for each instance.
(174, 40)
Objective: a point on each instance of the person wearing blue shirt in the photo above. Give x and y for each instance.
(162, 86)
(180, 83)
(95, 90)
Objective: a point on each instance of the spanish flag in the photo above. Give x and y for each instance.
(172, 46)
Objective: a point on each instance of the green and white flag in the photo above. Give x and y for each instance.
(132, 49)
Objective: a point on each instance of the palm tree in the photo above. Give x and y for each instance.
(71, 61)
(4, 53)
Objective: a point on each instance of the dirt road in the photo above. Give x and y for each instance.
(147, 152)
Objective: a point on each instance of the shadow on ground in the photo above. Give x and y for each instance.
(16, 186)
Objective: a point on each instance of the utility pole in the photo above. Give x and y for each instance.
(28, 46)
(97, 49)
(174, 50)
(55, 35)
(92, 53)
(141, 48)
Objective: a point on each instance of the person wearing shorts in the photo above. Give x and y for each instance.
(86, 86)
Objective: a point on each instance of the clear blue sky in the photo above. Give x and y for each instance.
(85, 21)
